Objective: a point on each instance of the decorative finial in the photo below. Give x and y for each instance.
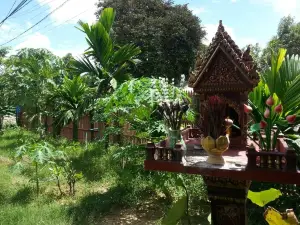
(221, 28)
(246, 54)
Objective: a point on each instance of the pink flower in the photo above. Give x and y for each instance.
(291, 119)
(278, 109)
(263, 124)
(267, 113)
(270, 101)
(247, 109)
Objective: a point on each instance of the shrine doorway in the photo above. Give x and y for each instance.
(234, 116)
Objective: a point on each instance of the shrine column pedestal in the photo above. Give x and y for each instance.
(228, 200)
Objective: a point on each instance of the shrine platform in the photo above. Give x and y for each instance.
(194, 162)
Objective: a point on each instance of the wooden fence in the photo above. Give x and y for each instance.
(84, 130)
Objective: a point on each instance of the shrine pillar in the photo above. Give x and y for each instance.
(228, 199)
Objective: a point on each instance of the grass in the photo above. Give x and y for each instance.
(115, 188)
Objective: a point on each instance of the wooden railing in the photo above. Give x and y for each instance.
(283, 159)
(161, 151)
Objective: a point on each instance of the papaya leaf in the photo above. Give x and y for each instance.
(176, 212)
(264, 197)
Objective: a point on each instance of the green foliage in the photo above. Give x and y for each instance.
(176, 212)
(281, 82)
(169, 35)
(264, 197)
(28, 76)
(105, 62)
(39, 154)
(288, 33)
(136, 100)
(70, 101)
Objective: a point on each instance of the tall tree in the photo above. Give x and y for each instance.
(28, 74)
(106, 63)
(288, 37)
(169, 35)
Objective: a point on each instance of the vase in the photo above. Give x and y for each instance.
(215, 149)
(174, 136)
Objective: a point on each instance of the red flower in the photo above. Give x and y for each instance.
(278, 109)
(267, 113)
(214, 100)
(263, 124)
(291, 119)
(270, 101)
(247, 109)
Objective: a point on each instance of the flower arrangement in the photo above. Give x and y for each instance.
(270, 124)
(173, 112)
(218, 123)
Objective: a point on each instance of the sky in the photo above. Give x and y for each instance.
(247, 21)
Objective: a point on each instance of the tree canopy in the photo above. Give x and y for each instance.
(169, 35)
(287, 37)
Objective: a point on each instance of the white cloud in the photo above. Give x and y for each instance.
(197, 10)
(10, 30)
(211, 30)
(86, 9)
(38, 40)
(282, 7)
(233, 1)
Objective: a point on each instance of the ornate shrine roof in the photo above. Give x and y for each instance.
(235, 66)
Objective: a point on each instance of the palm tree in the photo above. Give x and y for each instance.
(105, 62)
(71, 100)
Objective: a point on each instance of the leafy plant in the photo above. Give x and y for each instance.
(39, 154)
(61, 164)
(264, 197)
(136, 101)
(71, 102)
(105, 62)
(272, 216)
(275, 100)
(180, 208)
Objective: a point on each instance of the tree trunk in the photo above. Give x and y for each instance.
(46, 124)
(59, 187)
(92, 126)
(106, 136)
(56, 130)
(1, 122)
(75, 130)
(116, 137)
(37, 180)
